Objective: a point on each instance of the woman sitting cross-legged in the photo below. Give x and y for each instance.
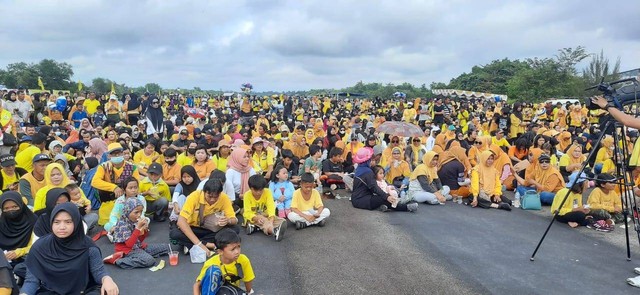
(485, 184)
(424, 184)
(545, 179)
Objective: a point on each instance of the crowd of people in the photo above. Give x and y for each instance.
(210, 165)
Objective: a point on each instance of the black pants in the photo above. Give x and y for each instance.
(482, 203)
(573, 216)
(375, 201)
(203, 234)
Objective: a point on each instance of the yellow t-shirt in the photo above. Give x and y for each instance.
(572, 199)
(231, 269)
(91, 106)
(24, 158)
(262, 161)
(143, 161)
(191, 207)
(220, 163)
(159, 190)
(8, 180)
(599, 200)
(264, 206)
(303, 205)
(500, 142)
(184, 160)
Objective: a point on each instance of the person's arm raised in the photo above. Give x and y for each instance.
(620, 116)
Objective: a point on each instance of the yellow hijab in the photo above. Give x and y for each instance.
(425, 168)
(487, 173)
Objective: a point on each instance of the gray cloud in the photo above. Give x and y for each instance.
(288, 45)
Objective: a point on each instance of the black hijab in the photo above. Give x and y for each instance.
(188, 189)
(62, 264)
(134, 103)
(92, 162)
(43, 224)
(155, 116)
(15, 231)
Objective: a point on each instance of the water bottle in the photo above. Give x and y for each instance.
(516, 201)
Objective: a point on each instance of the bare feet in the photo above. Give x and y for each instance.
(573, 224)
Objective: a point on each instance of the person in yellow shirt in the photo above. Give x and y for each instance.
(499, 140)
(262, 158)
(24, 158)
(221, 159)
(188, 156)
(202, 163)
(260, 209)
(32, 182)
(9, 174)
(55, 177)
(170, 168)
(156, 192)
(572, 211)
(91, 104)
(604, 202)
(306, 205)
(144, 157)
(202, 212)
(16, 229)
(229, 267)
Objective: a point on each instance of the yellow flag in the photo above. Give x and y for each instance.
(113, 88)
(40, 83)
(348, 94)
(80, 86)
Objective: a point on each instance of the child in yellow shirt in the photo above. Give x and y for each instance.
(260, 209)
(306, 206)
(604, 202)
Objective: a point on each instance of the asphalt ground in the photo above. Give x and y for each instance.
(450, 249)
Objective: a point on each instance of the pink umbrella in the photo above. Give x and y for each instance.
(400, 129)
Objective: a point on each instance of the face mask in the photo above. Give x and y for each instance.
(58, 133)
(117, 160)
(170, 163)
(191, 151)
(12, 214)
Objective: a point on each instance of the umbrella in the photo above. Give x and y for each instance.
(399, 94)
(196, 113)
(400, 129)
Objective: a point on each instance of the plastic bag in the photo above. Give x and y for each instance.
(198, 255)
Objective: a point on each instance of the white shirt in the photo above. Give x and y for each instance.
(431, 141)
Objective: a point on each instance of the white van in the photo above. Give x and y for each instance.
(562, 101)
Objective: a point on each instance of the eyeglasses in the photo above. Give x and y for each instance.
(394, 141)
(416, 140)
(478, 142)
(545, 162)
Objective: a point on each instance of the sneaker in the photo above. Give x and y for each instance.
(637, 270)
(322, 223)
(412, 207)
(459, 201)
(279, 231)
(250, 229)
(111, 259)
(383, 208)
(110, 237)
(333, 187)
(300, 225)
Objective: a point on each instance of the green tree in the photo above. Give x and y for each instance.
(599, 68)
(100, 85)
(152, 88)
(54, 75)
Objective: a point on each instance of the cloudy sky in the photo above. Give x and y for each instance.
(291, 45)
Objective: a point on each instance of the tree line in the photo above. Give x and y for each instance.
(532, 79)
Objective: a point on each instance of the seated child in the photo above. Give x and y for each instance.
(130, 188)
(189, 182)
(227, 269)
(378, 171)
(84, 205)
(604, 202)
(306, 207)
(282, 190)
(313, 163)
(128, 235)
(260, 209)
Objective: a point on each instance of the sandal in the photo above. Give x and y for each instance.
(634, 281)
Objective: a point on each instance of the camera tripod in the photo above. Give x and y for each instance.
(623, 181)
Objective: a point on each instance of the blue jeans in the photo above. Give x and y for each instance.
(597, 168)
(546, 198)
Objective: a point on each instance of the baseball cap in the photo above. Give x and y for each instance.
(114, 147)
(41, 157)
(224, 142)
(25, 139)
(284, 128)
(7, 160)
(544, 157)
(575, 178)
(155, 168)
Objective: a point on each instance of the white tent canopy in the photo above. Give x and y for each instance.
(468, 94)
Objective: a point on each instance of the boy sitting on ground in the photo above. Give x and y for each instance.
(260, 209)
(225, 270)
(604, 201)
(306, 206)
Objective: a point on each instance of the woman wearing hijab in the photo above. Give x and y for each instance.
(97, 147)
(55, 177)
(54, 197)
(239, 171)
(564, 141)
(58, 263)
(480, 145)
(366, 192)
(189, 181)
(16, 227)
(572, 161)
(397, 170)
(133, 107)
(605, 155)
(154, 117)
(425, 185)
(502, 163)
(85, 124)
(545, 179)
(453, 171)
(485, 184)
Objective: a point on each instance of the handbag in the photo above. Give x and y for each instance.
(531, 200)
(209, 222)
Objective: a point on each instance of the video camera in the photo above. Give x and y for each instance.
(620, 97)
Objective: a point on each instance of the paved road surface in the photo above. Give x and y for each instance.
(451, 249)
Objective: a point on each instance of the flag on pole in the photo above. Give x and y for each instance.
(113, 88)
(80, 86)
(40, 84)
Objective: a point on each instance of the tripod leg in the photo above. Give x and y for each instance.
(584, 165)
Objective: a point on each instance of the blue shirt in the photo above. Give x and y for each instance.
(77, 116)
